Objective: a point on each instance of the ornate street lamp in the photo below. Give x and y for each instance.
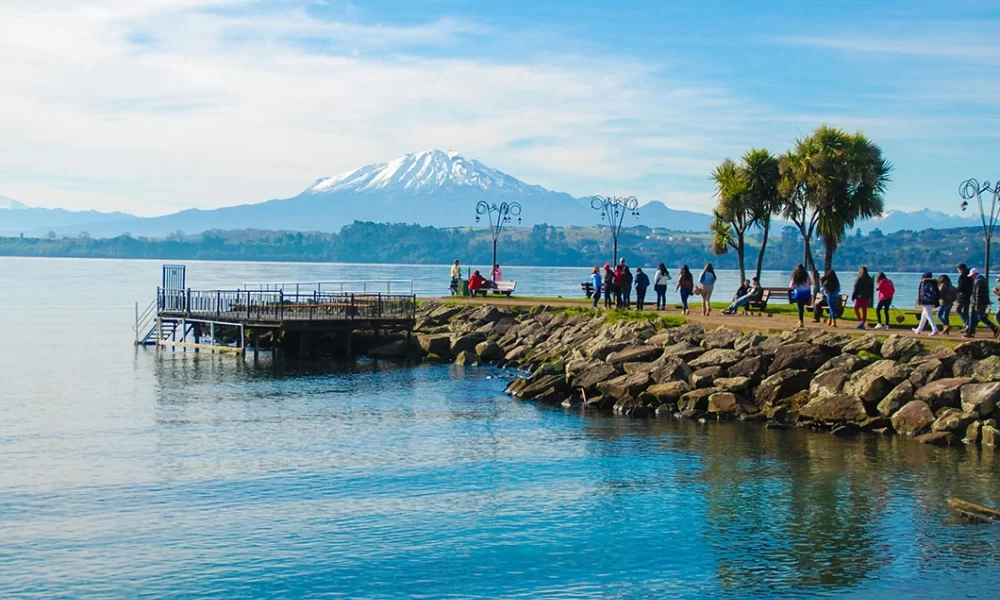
(613, 210)
(970, 189)
(498, 215)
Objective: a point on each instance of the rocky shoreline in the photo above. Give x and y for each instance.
(817, 379)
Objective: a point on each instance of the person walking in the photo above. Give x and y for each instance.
(928, 298)
(595, 282)
(660, 279)
(627, 287)
(979, 305)
(886, 290)
(641, 285)
(619, 272)
(800, 290)
(948, 295)
(707, 281)
(830, 286)
(964, 289)
(609, 285)
(864, 291)
(685, 285)
(456, 274)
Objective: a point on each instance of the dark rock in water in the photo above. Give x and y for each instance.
(684, 351)
(438, 344)
(666, 410)
(990, 436)
(703, 378)
(753, 368)
(846, 430)
(571, 402)
(696, 400)
(972, 433)
(753, 417)
(942, 393)
(874, 382)
(980, 398)
(514, 387)
(866, 343)
(727, 403)
(873, 423)
(840, 408)
(466, 357)
(589, 379)
(720, 338)
(978, 349)
(466, 343)
(954, 421)
(544, 386)
(937, 438)
(781, 386)
(692, 414)
(670, 391)
(914, 418)
(897, 347)
(626, 386)
(776, 425)
(396, 349)
(634, 354)
(716, 358)
(896, 399)
(490, 352)
(800, 356)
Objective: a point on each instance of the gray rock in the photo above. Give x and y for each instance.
(873, 423)
(737, 385)
(727, 403)
(626, 386)
(685, 351)
(781, 386)
(487, 314)
(988, 369)
(847, 363)
(691, 332)
(980, 398)
(914, 418)
(874, 382)
(800, 356)
(395, 349)
(978, 349)
(588, 379)
(972, 433)
(926, 372)
(942, 393)
(964, 367)
(704, 377)
(435, 344)
(990, 436)
(840, 408)
(516, 355)
(748, 340)
(696, 400)
(515, 387)
(754, 368)
(634, 354)
(723, 337)
(670, 368)
(466, 357)
(937, 438)
(717, 358)
(601, 348)
(548, 388)
(830, 383)
(463, 343)
(666, 410)
(953, 421)
(896, 399)
(865, 343)
(661, 339)
(669, 392)
(489, 352)
(630, 407)
(897, 347)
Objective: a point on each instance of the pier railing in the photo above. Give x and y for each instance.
(356, 286)
(280, 306)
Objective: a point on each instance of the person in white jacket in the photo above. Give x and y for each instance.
(660, 279)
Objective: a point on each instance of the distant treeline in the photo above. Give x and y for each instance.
(934, 250)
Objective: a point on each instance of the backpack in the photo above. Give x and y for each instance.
(928, 293)
(949, 294)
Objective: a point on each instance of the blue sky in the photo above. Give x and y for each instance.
(158, 105)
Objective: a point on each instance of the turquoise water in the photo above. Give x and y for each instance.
(129, 473)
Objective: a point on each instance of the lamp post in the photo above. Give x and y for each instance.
(613, 209)
(970, 189)
(498, 215)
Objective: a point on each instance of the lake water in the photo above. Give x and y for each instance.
(132, 473)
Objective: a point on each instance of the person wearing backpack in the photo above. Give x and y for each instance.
(980, 306)
(964, 300)
(641, 285)
(928, 298)
(949, 294)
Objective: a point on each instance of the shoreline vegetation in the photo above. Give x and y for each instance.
(388, 243)
(636, 366)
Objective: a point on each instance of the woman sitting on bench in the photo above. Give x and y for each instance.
(744, 295)
(476, 283)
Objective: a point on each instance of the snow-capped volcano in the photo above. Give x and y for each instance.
(10, 204)
(424, 173)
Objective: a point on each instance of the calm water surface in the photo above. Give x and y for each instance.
(129, 473)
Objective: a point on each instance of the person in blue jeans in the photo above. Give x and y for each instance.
(800, 290)
(831, 290)
(980, 306)
(706, 281)
(685, 285)
(595, 280)
(747, 292)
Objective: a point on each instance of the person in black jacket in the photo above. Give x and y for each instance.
(641, 284)
(864, 291)
(626, 286)
(980, 304)
(964, 288)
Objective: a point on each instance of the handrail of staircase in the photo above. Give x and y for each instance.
(144, 319)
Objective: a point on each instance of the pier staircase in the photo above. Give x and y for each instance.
(146, 331)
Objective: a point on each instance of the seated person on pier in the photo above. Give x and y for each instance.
(746, 293)
(477, 283)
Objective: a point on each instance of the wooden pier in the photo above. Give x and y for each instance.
(234, 320)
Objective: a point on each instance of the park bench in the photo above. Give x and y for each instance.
(841, 305)
(505, 288)
(587, 288)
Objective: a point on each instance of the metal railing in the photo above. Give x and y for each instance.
(279, 306)
(359, 286)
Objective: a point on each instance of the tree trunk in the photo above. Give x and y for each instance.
(763, 245)
(740, 252)
(828, 259)
(809, 262)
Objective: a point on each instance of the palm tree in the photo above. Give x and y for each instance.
(761, 174)
(733, 214)
(795, 185)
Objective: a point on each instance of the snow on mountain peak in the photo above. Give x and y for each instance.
(10, 204)
(423, 172)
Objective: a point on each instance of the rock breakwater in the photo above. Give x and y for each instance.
(810, 378)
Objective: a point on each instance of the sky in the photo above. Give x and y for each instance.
(153, 106)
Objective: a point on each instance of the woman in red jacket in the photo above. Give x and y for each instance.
(476, 282)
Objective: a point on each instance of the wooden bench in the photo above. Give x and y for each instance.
(505, 288)
(588, 289)
(841, 305)
(759, 305)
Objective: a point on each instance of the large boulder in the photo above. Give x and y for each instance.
(723, 337)
(601, 348)
(489, 352)
(781, 386)
(753, 368)
(588, 379)
(839, 408)
(728, 403)
(696, 400)
(973, 433)
(942, 393)
(865, 343)
(847, 363)
(937, 438)
(465, 343)
(545, 385)
(684, 350)
(829, 342)
(930, 370)
(487, 314)
(987, 369)
(914, 418)
(829, 383)
(466, 357)
(437, 344)
(897, 398)
(990, 436)
(634, 354)
(669, 392)
(706, 376)
(691, 332)
(980, 398)
(964, 367)
(748, 340)
(897, 347)
(626, 386)
(800, 356)
(717, 358)
(736, 385)
(670, 368)
(978, 349)
(874, 382)
(953, 421)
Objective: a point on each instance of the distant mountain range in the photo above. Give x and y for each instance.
(433, 188)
